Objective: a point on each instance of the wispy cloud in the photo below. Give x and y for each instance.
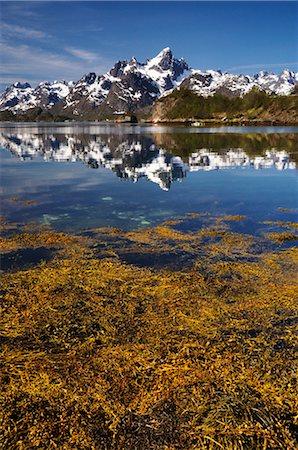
(28, 63)
(82, 54)
(23, 32)
(264, 66)
(94, 28)
(21, 9)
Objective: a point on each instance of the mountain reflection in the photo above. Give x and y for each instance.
(135, 156)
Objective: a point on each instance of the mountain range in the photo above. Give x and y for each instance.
(131, 86)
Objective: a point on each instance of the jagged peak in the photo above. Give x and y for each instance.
(164, 51)
(287, 73)
(117, 69)
(133, 62)
(88, 78)
(262, 73)
(20, 85)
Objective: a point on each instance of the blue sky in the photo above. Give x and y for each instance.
(63, 40)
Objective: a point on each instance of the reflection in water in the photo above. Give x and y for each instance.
(134, 156)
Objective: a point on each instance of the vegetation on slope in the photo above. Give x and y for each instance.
(256, 105)
(35, 115)
(97, 353)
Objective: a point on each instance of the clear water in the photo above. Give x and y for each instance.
(81, 176)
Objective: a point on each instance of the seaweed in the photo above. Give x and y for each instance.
(97, 353)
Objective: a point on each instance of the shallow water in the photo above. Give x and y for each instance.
(79, 176)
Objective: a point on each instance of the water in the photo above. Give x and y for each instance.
(80, 176)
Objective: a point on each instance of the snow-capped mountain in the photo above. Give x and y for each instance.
(135, 157)
(130, 86)
(21, 96)
(210, 82)
(49, 94)
(282, 84)
(18, 98)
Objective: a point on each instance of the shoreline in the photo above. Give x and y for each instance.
(184, 122)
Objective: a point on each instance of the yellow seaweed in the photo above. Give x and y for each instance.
(100, 354)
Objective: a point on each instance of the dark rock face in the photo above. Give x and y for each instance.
(166, 60)
(178, 67)
(131, 93)
(88, 79)
(45, 96)
(204, 80)
(53, 98)
(106, 85)
(11, 103)
(118, 68)
(226, 92)
(22, 85)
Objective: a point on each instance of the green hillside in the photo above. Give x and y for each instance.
(256, 105)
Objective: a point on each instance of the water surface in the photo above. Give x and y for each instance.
(79, 176)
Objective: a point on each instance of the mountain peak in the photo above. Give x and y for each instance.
(165, 51)
(88, 78)
(263, 73)
(287, 73)
(162, 59)
(20, 85)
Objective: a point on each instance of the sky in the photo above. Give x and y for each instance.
(58, 40)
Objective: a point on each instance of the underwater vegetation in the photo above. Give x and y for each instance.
(193, 348)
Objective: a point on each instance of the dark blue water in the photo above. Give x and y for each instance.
(77, 177)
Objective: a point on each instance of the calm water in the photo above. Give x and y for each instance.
(79, 176)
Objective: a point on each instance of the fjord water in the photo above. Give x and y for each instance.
(80, 176)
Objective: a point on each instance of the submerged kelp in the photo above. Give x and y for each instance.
(100, 354)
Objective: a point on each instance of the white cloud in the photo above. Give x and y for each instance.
(23, 32)
(82, 54)
(28, 63)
